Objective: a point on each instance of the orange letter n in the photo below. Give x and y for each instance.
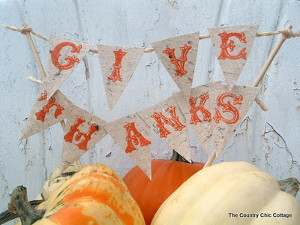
(161, 120)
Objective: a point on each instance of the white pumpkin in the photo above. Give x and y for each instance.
(229, 193)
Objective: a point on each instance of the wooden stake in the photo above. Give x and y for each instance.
(35, 53)
(32, 79)
(261, 104)
(210, 159)
(258, 79)
(42, 71)
(271, 57)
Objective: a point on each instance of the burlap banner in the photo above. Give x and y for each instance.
(232, 46)
(178, 55)
(64, 56)
(133, 135)
(212, 110)
(118, 65)
(83, 131)
(46, 113)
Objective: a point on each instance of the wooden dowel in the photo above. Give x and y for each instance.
(35, 53)
(261, 104)
(267, 65)
(271, 58)
(41, 68)
(210, 159)
(35, 80)
(258, 79)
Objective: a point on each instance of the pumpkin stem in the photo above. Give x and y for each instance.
(19, 204)
(177, 157)
(8, 216)
(289, 185)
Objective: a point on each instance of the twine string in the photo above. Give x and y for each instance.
(287, 32)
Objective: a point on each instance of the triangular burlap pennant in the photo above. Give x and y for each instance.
(117, 65)
(83, 130)
(133, 135)
(167, 120)
(197, 110)
(178, 55)
(46, 113)
(65, 55)
(232, 46)
(231, 106)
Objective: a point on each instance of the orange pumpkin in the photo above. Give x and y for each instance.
(167, 176)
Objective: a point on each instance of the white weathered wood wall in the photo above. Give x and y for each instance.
(269, 139)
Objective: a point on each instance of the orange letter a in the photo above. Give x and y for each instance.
(135, 138)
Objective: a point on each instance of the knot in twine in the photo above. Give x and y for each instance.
(287, 32)
(25, 29)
